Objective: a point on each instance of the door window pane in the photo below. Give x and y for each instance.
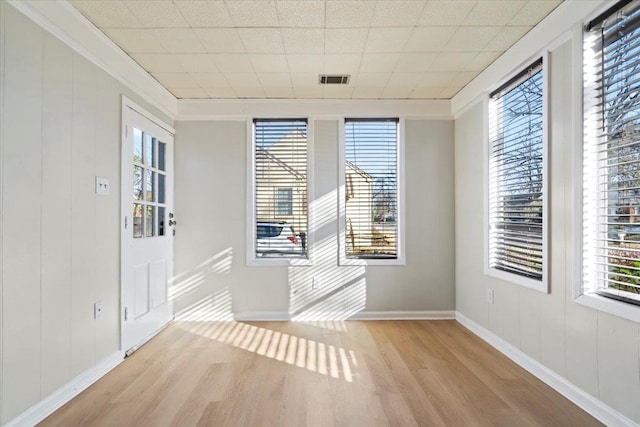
(161, 221)
(149, 150)
(137, 183)
(137, 145)
(162, 147)
(150, 186)
(137, 220)
(149, 223)
(161, 186)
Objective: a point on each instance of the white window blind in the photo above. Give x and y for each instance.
(516, 175)
(611, 209)
(280, 187)
(371, 181)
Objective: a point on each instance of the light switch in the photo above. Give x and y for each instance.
(102, 186)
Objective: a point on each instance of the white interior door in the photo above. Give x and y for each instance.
(147, 226)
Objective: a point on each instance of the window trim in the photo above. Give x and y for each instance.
(250, 242)
(400, 260)
(538, 285)
(579, 293)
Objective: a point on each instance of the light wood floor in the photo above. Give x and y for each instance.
(402, 373)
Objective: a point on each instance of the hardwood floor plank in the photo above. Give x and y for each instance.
(396, 373)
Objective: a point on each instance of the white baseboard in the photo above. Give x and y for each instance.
(58, 398)
(404, 315)
(261, 316)
(599, 410)
(280, 316)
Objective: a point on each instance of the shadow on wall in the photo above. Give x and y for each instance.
(323, 293)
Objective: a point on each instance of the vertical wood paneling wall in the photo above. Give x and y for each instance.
(60, 242)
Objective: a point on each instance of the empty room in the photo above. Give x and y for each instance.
(319, 212)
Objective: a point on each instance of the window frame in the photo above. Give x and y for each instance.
(581, 295)
(400, 259)
(543, 284)
(251, 227)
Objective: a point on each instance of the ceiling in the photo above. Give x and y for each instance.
(393, 49)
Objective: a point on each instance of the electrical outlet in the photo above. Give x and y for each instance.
(315, 283)
(97, 310)
(490, 296)
(102, 186)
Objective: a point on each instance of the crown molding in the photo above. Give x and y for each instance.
(543, 36)
(241, 109)
(63, 21)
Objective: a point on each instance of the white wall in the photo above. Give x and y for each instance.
(211, 192)
(598, 352)
(60, 242)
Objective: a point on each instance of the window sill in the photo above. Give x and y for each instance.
(278, 262)
(536, 285)
(351, 262)
(611, 306)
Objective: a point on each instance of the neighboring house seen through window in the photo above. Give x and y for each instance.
(371, 193)
(516, 208)
(611, 164)
(280, 161)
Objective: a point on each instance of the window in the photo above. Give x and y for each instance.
(279, 189)
(371, 197)
(284, 201)
(611, 162)
(517, 197)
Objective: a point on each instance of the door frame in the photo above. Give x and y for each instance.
(127, 105)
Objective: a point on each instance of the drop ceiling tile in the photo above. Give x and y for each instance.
(460, 78)
(220, 92)
(204, 13)
(189, 93)
(387, 39)
(269, 63)
(341, 63)
(303, 40)
(396, 92)
(435, 78)
(157, 14)
(261, 40)
(493, 13)
(349, 14)
(450, 92)
(179, 40)
(301, 63)
(304, 79)
(274, 79)
(244, 91)
(398, 13)
(197, 63)
(158, 62)
(533, 12)
(505, 38)
(233, 63)
(437, 13)
(220, 40)
(413, 62)
(345, 40)
(285, 92)
(236, 80)
(482, 60)
(367, 92)
(429, 39)
(176, 80)
(337, 91)
(209, 80)
(370, 79)
(378, 62)
(452, 61)
(253, 13)
(297, 13)
(429, 92)
(404, 79)
(308, 92)
(471, 39)
(135, 40)
(107, 13)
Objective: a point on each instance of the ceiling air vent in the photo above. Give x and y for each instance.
(327, 79)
